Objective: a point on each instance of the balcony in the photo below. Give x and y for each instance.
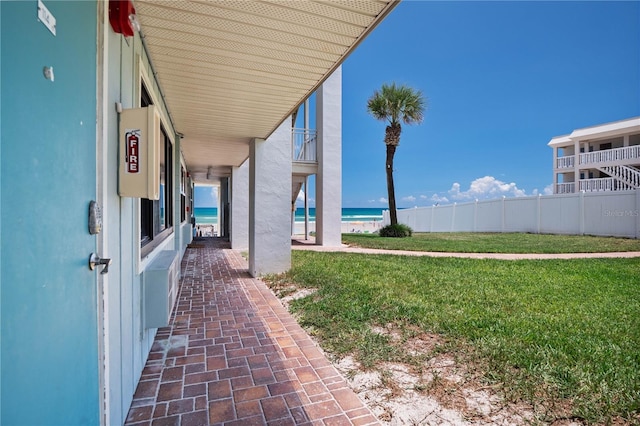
(598, 184)
(565, 188)
(303, 145)
(615, 155)
(304, 155)
(603, 184)
(567, 162)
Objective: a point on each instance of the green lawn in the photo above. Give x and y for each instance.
(495, 243)
(554, 333)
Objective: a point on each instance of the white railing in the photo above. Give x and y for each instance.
(626, 175)
(597, 184)
(303, 145)
(611, 155)
(565, 188)
(565, 162)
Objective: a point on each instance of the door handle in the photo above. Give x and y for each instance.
(95, 261)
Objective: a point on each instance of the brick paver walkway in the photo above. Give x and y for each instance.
(233, 355)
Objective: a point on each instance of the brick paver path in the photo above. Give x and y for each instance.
(233, 355)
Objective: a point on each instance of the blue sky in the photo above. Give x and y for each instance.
(501, 79)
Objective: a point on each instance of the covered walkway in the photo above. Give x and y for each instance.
(233, 355)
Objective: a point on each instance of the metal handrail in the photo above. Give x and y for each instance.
(304, 145)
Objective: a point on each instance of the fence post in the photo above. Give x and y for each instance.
(582, 212)
(637, 213)
(539, 213)
(475, 216)
(453, 217)
(431, 221)
(503, 213)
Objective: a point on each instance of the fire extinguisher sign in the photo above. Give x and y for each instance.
(132, 155)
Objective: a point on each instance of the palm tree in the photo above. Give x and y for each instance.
(395, 104)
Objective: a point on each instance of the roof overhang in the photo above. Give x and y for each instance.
(231, 71)
(616, 128)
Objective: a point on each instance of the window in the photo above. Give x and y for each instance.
(183, 194)
(156, 216)
(605, 146)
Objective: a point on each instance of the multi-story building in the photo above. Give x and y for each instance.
(598, 158)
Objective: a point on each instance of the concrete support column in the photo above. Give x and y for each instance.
(240, 207)
(270, 202)
(223, 208)
(329, 177)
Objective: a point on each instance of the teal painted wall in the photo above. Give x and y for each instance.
(49, 331)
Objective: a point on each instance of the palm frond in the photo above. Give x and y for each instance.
(397, 104)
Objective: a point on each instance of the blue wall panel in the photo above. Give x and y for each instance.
(49, 331)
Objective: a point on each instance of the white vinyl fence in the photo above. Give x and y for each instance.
(586, 213)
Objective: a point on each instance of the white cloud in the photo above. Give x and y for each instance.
(548, 190)
(438, 199)
(410, 198)
(300, 199)
(485, 188)
(379, 200)
(214, 192)
(424, 197)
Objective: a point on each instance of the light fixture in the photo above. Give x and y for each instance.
(210, 173)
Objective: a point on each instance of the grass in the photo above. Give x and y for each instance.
(495, 243)
(555, 333)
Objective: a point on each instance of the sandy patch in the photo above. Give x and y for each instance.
(436, 389)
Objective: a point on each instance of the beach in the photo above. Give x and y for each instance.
(355, 220)
(348, 227)
(357, 227)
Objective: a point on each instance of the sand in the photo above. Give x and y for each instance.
(360, 227)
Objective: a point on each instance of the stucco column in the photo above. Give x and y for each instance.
(223, 207)
(240, 207)
(329, 178)
(270, 202)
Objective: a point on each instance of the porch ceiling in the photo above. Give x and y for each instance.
(233, 70)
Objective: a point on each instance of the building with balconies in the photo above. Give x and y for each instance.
(598, 158)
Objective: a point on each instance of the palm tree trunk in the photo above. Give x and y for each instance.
(391, 150)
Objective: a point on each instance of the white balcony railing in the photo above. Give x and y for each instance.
(303, 145)
(628, 176)
(598, 184)
(565, 188)
(611, 155)
(565, 162)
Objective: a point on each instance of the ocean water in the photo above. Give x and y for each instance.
(209, 215)
(349, 214)
(206, 215)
